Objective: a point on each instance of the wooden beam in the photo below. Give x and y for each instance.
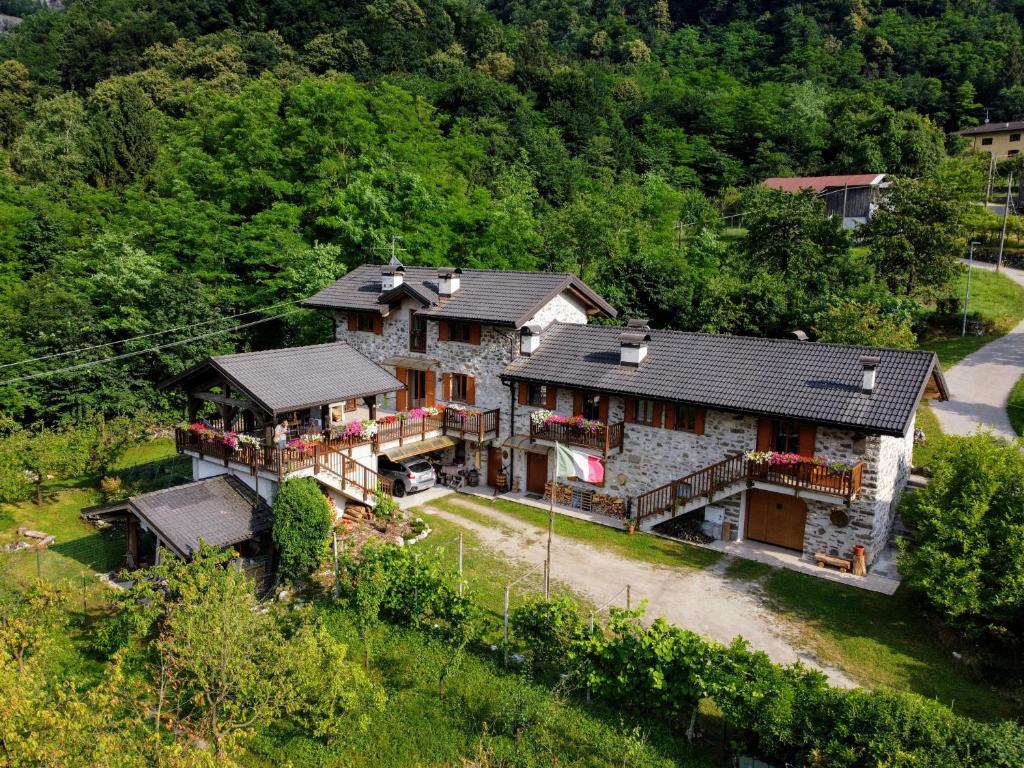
(213, 397)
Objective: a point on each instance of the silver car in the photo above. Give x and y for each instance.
(407, 476)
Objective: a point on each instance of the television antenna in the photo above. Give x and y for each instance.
(392, 248)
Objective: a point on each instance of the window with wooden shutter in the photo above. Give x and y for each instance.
(602, 408)
(646, 411)
(402, 396)
(446, 386)
(378, 324)
(524, 393)
(577, 403)
(430, 390)
(629, 410)
(699, 425)
(808, 434)
(684, 418)
(470, 390)
(552, 400)
(443, 331)
(764, 434)
(353, 319)
(474, 333)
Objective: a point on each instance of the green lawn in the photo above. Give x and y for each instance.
(638, 546)
(925, 452)
(995, 298)
(1015, 406)
(883, 642)
(81, 550)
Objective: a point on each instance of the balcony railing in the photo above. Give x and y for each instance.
(706, 483)
(598, 437)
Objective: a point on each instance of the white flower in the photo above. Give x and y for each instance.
(539, 417)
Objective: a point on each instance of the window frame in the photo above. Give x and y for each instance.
(460, 331)
(644, 411)
(986, 141)
(537, 395)
(1014, 137)
(591, 400)
(787, 431)
(457, 382)
(687, 418)
(414, 377)
(365, 323)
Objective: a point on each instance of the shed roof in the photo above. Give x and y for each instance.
(485, 295)
(821, 183)
(220, 511)
(1013, 125)
(775, 377)
(281, 380)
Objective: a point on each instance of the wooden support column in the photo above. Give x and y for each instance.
(371, 404)
(133, 541)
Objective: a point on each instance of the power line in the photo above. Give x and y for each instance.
(144, 335)
(125, 355)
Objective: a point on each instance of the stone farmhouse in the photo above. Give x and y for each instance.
(795, 444)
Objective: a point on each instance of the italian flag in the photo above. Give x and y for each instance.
(578, 464)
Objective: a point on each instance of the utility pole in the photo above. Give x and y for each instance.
(551, 529)
(991, 170)
(1006, 215)
(967, 297)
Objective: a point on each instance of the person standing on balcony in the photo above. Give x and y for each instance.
(281, 434)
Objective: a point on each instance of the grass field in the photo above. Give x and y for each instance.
(81, 550)
(996, 299)
(878, 640)
(650, 549)
(934, 439)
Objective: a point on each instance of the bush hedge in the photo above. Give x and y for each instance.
(302, 527)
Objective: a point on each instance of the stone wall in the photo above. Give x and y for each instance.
(562, 308)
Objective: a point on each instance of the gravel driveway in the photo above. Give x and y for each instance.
(705, 601)
(980, 384)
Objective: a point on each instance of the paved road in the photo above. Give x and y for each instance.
(705, 601)
(980, 383)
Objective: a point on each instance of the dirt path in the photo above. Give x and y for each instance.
(980, 384)
(703, 601)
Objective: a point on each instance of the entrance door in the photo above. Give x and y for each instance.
(775, 518)
(536, 472)
(493, 465)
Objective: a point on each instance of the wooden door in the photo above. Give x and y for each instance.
(536, 472)
(493, 465)
(776, 519)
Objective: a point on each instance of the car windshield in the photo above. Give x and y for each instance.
(419, 466)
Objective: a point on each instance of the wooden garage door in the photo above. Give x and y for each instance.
(776, 519)
(536, 472)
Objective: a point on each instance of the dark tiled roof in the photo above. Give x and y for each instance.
(1016, 125)
(301, 377)
(220, 510)
(777, 377)
(485, 295)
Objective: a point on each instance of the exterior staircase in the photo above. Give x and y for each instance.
(735, 474)
(344, 474)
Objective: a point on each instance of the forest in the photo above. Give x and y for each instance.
(175, 169)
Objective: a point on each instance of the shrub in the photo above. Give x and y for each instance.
(552, 632)
(302, 527)
(968, 554)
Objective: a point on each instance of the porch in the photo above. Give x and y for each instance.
(593, 435)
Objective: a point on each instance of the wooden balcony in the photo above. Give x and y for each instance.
(602, 437)
(708, 483)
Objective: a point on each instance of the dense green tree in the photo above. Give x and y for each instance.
(967, 560)
(302, 527)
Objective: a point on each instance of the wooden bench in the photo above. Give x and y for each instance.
(841, 563)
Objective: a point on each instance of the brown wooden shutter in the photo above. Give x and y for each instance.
(808, 433)
(629, 410)
(552, 398)
(698, 421)
(378, 324)
(670, 415)
(659, 411)
(446, 386)
(764, 434)
(352, 322)
(402, 396)
(443, 331)
(602, 408)
(430, 395)
(524, 393)
(577, 403)
(470, 390)
(474, 333)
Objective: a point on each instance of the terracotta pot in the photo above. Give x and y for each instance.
(858, 549)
